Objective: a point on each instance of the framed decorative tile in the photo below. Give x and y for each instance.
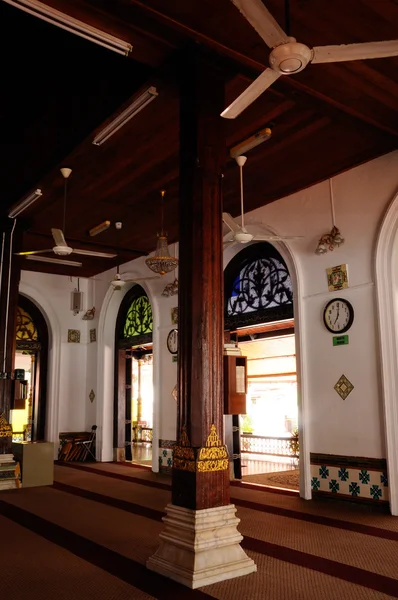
(174, 315)
(174, 393)
(73, 336)
(337, 278)
(93, 335)
(343, 387)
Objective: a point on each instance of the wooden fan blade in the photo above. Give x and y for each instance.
(59, 261)
(259, 85)
(347, 52)
(262, 21)
(58, 237)
(93, 253)
(33, 252)
(229, 222)
(277, 237)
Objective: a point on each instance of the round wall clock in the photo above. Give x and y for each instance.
(338, 315)
(172, 341)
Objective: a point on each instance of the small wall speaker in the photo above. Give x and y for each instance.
(76, 302)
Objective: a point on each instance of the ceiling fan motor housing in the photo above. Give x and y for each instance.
(62, 250)
(243, 237)
(289, 58)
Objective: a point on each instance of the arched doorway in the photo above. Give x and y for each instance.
(133, 408)
(258, 315)
(28, 416)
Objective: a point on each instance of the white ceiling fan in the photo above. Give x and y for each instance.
(61, 247)
(239, 233)
(118, 282)
(289, 56)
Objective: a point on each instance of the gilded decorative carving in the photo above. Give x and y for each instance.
(208, 466)
(212, 457)
(183, 454)
(5, 428)
(184, 440)
(213, 439)
(214, 449)
(183, 465)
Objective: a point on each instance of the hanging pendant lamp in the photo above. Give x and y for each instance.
(161, 262)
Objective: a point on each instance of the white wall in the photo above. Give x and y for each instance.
(361, 196)
(68, 398)
(350, 427)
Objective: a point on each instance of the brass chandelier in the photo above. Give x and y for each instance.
(161, 262)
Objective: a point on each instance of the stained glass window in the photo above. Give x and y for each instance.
(25, 327)
(139, 319)
(258, 287)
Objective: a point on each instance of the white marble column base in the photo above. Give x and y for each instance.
(200, 547)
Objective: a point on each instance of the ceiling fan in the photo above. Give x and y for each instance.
(239, 233)
(61, 247)
(288, 56)
(118, 282)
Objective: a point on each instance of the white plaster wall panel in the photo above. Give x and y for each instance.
(350, 427)
(72, 387)
(91, 384)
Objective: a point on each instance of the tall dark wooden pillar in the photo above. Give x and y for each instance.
(9, 285)
(200, 470)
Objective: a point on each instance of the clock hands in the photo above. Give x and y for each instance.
(338, 313)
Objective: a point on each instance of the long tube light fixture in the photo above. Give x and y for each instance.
(23, 205)
(258, 138)
(99, 228)
(60, 19)
(129, 112)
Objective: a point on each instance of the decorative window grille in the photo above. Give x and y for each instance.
(258, 287)
(134, 324)
(26, 329)
(139, 319)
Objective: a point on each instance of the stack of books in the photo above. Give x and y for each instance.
(231, 349)
(10, 472)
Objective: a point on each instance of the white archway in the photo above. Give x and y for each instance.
(302, 385)
(386, 278)
(106, 372)
(54, 354)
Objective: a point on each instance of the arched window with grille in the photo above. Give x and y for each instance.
(257, 287)
(30, 384)
(133, 377)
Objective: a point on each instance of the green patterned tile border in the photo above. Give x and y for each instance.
(349, 477)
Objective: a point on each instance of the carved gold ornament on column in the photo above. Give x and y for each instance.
(207, 459)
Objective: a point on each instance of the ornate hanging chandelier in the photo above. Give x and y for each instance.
(161, 262)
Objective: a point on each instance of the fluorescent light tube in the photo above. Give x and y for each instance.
(56, 261)
(253, 141)
(129, 112)
(21, 206)
(60, 19)
(99, 228)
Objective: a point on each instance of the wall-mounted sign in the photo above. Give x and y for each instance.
(340, 340)
(337, 278)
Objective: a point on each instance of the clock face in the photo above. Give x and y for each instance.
(338, 315)
(172, 341)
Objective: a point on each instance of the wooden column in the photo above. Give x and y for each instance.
(201, 468)
(9, 280)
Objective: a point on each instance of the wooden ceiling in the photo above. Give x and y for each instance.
(58, 90)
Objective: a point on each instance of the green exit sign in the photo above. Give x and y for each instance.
(340, 340)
